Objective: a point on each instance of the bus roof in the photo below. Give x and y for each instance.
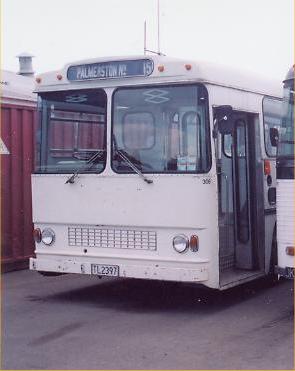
(76, 75)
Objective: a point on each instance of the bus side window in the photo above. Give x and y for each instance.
(90, 133)
(191, 143)
(139, 131)
(75, 131)
(272, 116)
(173, 144)
(227, 141)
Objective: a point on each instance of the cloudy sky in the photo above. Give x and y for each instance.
(257, 35)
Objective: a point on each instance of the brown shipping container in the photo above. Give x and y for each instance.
(18, 127)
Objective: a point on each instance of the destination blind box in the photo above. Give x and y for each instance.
(114, 70)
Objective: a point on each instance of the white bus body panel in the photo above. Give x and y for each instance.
(172, 205)
(285, 221)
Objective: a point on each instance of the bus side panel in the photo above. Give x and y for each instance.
(285, 222)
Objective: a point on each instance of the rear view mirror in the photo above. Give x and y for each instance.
(223, 115)
(274, 136)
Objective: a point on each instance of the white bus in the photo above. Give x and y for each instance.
(285, 186)
(155, 168)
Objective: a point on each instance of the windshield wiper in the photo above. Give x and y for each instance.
(97, 155)
(125, 157)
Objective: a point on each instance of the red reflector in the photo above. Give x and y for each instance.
(188, 66)
(267, 167)
(37, 235)
(290, 250)
(59, 76)
(38, 80)
(194, 243)
(161, 68)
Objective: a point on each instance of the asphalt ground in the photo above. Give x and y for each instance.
(81, 322)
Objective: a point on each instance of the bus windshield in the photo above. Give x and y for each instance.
(72, 130)
(286, 140)
(161, 129)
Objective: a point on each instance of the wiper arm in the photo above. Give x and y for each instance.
(90, 161)
(132, 166)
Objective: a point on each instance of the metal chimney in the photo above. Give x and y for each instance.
(25, 64)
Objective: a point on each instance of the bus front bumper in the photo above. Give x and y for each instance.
(197, 272)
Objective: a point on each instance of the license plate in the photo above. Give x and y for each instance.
(105, 270)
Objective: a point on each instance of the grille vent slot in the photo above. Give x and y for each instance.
(112, 238)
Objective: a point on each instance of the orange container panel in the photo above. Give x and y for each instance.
(18, 128)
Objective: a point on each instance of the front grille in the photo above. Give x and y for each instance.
(112, 238)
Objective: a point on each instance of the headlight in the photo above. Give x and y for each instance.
(48, 236)
(180, 243)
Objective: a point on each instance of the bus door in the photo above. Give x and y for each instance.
(234, 169)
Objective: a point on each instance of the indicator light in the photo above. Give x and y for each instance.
(290, 250)
(37, 235)
(194, 243)
(267, 167)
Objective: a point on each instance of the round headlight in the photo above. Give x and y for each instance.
(48, 236)
(180, 243)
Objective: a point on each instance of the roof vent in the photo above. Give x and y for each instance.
(25, 64)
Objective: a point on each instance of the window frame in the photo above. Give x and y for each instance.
(245, 157)
(43, 125)
(207, 127)
(288, 123)
(264, 114)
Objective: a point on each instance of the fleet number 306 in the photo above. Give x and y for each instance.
(206, 181)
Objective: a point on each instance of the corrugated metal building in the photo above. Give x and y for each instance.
(18, 127)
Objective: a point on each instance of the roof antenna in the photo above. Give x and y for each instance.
(159, 27)
(144, 38)
(145, 48)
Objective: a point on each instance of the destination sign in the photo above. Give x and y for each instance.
(111, 70)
